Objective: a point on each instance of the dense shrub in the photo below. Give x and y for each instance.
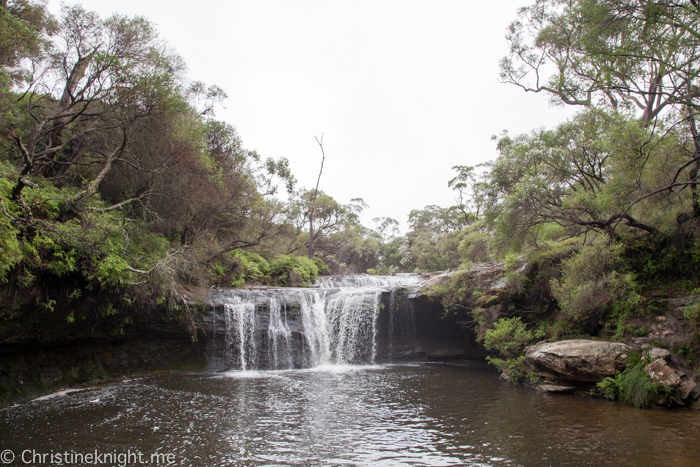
(508, 338)
(293, 271)
(592, 286)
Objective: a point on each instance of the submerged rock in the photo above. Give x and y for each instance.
(555, 388)
(580, 360)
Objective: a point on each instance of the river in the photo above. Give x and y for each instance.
(432, 414)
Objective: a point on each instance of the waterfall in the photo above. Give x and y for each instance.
(333, 323)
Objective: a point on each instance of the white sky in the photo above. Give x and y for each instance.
(402, 89)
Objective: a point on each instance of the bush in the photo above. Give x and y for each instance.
(632, 385)
(508, 338)
(323, 268)
(293, 271)
(592, 286)
(459, 291)
(239, 267)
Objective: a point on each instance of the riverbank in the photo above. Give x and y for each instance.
(441, 316)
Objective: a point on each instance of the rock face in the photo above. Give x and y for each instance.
(577, 360)
(489, 278)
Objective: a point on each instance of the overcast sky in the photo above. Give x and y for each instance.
(402, 89)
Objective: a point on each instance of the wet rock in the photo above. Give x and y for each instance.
(50, 375)
(555, 388)
(660, 372)
(577, 359)
(677, 399)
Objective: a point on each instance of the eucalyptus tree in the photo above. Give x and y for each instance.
(638, 56)
(436, 220)
(599, 171)
(84, 99)
(470, 191)
(642, 53)
(23, 28)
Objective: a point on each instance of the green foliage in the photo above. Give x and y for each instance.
(514, 369)
(238, 267)
(562, 328)
(632, 385)
(436, 292)
(508, 338)
(590, 286)
(459, 291)
(253, 267)
(294, 271)
(474, 246)
(667, 260)
(323, 268)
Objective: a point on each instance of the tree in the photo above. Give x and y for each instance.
(596, 172)
(387, 228)
(470, 199)
(625, 54)
(436, 220)
(313, 201)
(23, 25)
(643, 53)
(85, 99)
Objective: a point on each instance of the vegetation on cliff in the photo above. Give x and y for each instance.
(118, 184)
(602, 211)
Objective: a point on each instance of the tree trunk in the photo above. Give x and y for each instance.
(313, 201)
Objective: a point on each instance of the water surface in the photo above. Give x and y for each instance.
(390, 415)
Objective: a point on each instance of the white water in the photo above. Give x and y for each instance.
(365, 280)
(334, 323)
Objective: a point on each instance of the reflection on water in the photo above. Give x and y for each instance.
(416, 414)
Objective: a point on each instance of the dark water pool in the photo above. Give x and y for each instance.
(413, 414)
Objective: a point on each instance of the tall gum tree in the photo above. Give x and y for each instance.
(85, 98)
(621, 54)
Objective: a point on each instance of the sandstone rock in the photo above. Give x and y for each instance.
(488, 278)
(677, 399)
(660, 372)
(577, 359)
(657, 353)
(695, 393)
(555, 388)
(687, 388)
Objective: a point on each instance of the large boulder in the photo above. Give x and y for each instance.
(579, 360)
(660, 372)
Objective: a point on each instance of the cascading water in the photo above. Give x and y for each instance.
(332, 323)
